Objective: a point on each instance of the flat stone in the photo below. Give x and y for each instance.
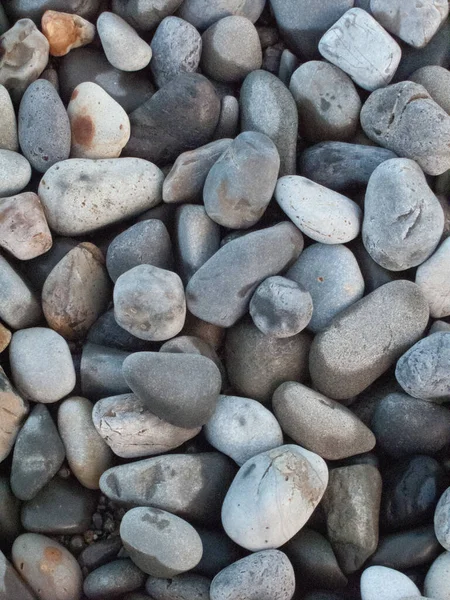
(12, 585)
(203, 15)
(41, 364)
(327, 102)
(8, 124)
(228, 123)
(358, 45)
(38, 454)
(65, 31)
(124, 187)
(442, 520)
(101, 371)
(436, 581)
(15, 173)
(382, 582)
(117, 37)
(220, 291)
(432, 280)
(19, 307)
(436, 80)
(272, 497)
(117, 577)
(13, 411)
(144, 15)
(106, 332)
(407, 549)
(405, 119)
(187, 586)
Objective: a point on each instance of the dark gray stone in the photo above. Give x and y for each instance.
(374, 274)
(101, 371)
(106, 332)
(407, 549)
(204, 14)
(114, 579)
(145, 14)
(218, 552)
(38, 269)
(10, 525)
(100, 553)
(182, 587)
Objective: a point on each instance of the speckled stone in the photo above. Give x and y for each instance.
(65, 31)
(19, 307)
(382, 582)
(117, 38)
(431, 277)
(13, 410)
(436, 80)
(187, 586)
(202, 13)
(8, 123)
(116, 577)
(15, 173)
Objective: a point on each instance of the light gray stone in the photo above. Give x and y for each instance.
(144, 15)
(8, 124)
(202, 13)
(13, 411)
(442, 520)
(123, 47)
(436, 581)
(381, 582)
(19, 307)
(436, 80)
(432, 278)
(15, 173)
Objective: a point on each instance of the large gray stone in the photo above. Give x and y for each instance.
(202, 13)
(431, 277)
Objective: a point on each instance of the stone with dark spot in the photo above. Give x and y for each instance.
(110, 580)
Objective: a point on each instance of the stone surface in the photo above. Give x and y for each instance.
(8, 124)
(432, 280)
(15, 173)
(436, 80)
(407, 549)
(145, 15)
(12, 585)
(442, 520)
(187, 586)
(117, 38)
(117, 577)
(272, 497)
(159, 543)
(436, 581)
(101, 371)
(13, 410)
(65, 31)
(106, 332)
(382, 582)
(34, 9)
(19, 307)
(202, 13)
(218, 551)
(228, 123)
(359, 46)
(189, 344)
(100, 553)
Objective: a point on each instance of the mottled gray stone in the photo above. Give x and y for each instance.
(13, 410)
(220, 291)
(436, 80)
(145, 15)
(403, 219)
(359, 46)
(361, 343)
(431, 277)
(101, 371)
(118, 38)
(11, 584)
(202, 13)
(228, 123)
(382, 581)
(405, 119)
(183, 587)
(19, 307)
(15, 173)
(110, 580)
(8, 123)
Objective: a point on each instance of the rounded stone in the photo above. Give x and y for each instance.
(144, 15)
(159, 543)
(382, 582)
(15, 173)
(44, 128)
(41, 364)
(65, 31)
(231, 49)
(240, 185)
(19, 306)
(8, 123)
(182, 587)
(117, 38)
(436, 80)
(322, 214)
(50, 570)
(272, 497)
(203, 14)
(114, 578)
(442, 520)
(189, 344)
(149, 303)
(13, 411)
(12, 585)
(431, 277)
(327, 102)
(436, 581)
(106, 332)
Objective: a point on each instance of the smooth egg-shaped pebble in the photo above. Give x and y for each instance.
(114, 578)
(264, 575)
(321, 214)
(272, 497)
(123, 187)
(44, 128)
(65, 31)
(159, 543)
(242, 428)
(8, 122)
(442, 520)
(15, 173)
(149, 303)
(436, 584)
(382, 583)
(100, 126)
(118, 38)
(50, 570)
(86, 452)
(431, 277)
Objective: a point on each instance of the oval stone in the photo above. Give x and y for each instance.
(15, 173)
(8, 123)
(117, 38)
(65, 31)
(19, 306)
(116, 577)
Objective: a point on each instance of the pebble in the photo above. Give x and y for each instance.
(439, 326)
(332, 277)
(144, 243)
(101, 371)
(13, 411)
(352, 505)
(272, 497)
(44, 128)
(106, 332)
(403, 219)
(180, 116)
(41, 364)
(49, 569)
(86, 452)
(76, 292)
(191, 486)
(65, 31)
(8, 123)
(132, 431)
(24, 232)
(100, 126)
(24, 56)
(11, 585)
(267, 106)
(188, 344)
(405, 119)
(263, 575)
(10, 525)
(322, 214)
(436, 80)
(242, 428)
(37, 270)
(430, 277)
(240, 185)
(160, 543)
(15, 173)
(442, 520)
(257, 364)
(100, 553)
(185, 180)
(117, 38)
(407, 549)
(176, 47)
(340, 166)
(111, 580)
(34, 9)
(19, 307)
(220, 291)
(319, 424)
(218, 552)
(187, 586)
(124, 187)
(231, 49)
(179, 388)
(280, 307)
(228, 123)
(203, 15)
(38, 454)
(413, 24)
(382, 583)
(144, 15)
(436, 581)
(327, 102)
(358, 45)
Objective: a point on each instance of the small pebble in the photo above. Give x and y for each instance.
(65, 31)
(117, 38)
(382, 583)
(113, 579)
(15, 173)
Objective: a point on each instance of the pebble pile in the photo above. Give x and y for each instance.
(224, 300)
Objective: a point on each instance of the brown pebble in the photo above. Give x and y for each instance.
(5, 337)
(65, 31)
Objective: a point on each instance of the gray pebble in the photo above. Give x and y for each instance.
(228, 124)
(436, 581)
(183, 587)
(261, 576)
(106, 332)
(38, 454)
(179, 388)
(117, 38)
(11, 584)
(231, 49)
(436, 80)
(327, 102)
(405, 119)
(101, 371)
(288, 64)
(220, 291)
(15, 173)
(240, 184)
(144, 15)
(147, 242)
(332, 277)
(408, 548)
(267, 106)
(177, 47)
(374, 274)
(19, 307)
(280, 307)
(204, 14)
(403, 219)
(159, 543)
(10, 525)
(113, 579)
(359, 46)
(361, 343)
(41, 364)
(442, 520)
(439, 326)
(8, 124)
(423, 370)
(13, 410)
(378, 580)
(100, 553)
(431, 277)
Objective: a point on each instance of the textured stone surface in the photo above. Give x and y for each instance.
(187, 586)
(436, 80)
(13, 410)
(117, 38)
(383, 582)
(15, 173)
(431, 277)
(8, 124)
(65, 31)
